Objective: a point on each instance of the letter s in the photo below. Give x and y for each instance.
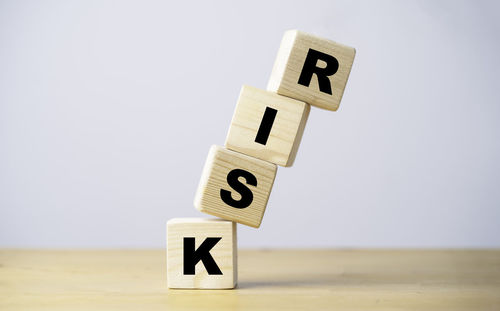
(242, 189)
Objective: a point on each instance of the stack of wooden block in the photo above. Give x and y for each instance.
(265, 131)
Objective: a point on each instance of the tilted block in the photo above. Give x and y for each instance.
(311, 69)
(235, 186)
(201, 253)
(267, 126)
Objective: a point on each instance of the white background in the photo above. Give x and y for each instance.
(108, 109)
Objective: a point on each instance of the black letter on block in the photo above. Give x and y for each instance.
(310, 68)
(192, 256)
(265, 126)
(244, 191)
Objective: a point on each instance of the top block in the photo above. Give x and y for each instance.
(311, 69)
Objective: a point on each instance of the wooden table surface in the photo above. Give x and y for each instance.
(268, 280)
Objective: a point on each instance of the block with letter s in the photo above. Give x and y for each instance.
(235, 186)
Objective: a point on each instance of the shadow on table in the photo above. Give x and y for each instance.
(351, 280)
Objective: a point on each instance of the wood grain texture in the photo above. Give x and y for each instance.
(219, 163)
(290, 61)
(286, 132)
(224, 253)
(268, 280)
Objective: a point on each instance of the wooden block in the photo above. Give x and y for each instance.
(311, 69)
(235, 186)
(267, 126)
(201, 253)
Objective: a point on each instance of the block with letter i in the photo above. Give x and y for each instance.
(311, 69)
(235, 186)
(267, 126)
(201, 253)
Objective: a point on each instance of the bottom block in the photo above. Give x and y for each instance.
(201, 253)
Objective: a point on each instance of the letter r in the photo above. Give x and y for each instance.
(310, 67)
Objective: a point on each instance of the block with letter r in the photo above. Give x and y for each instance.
(311, 69)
